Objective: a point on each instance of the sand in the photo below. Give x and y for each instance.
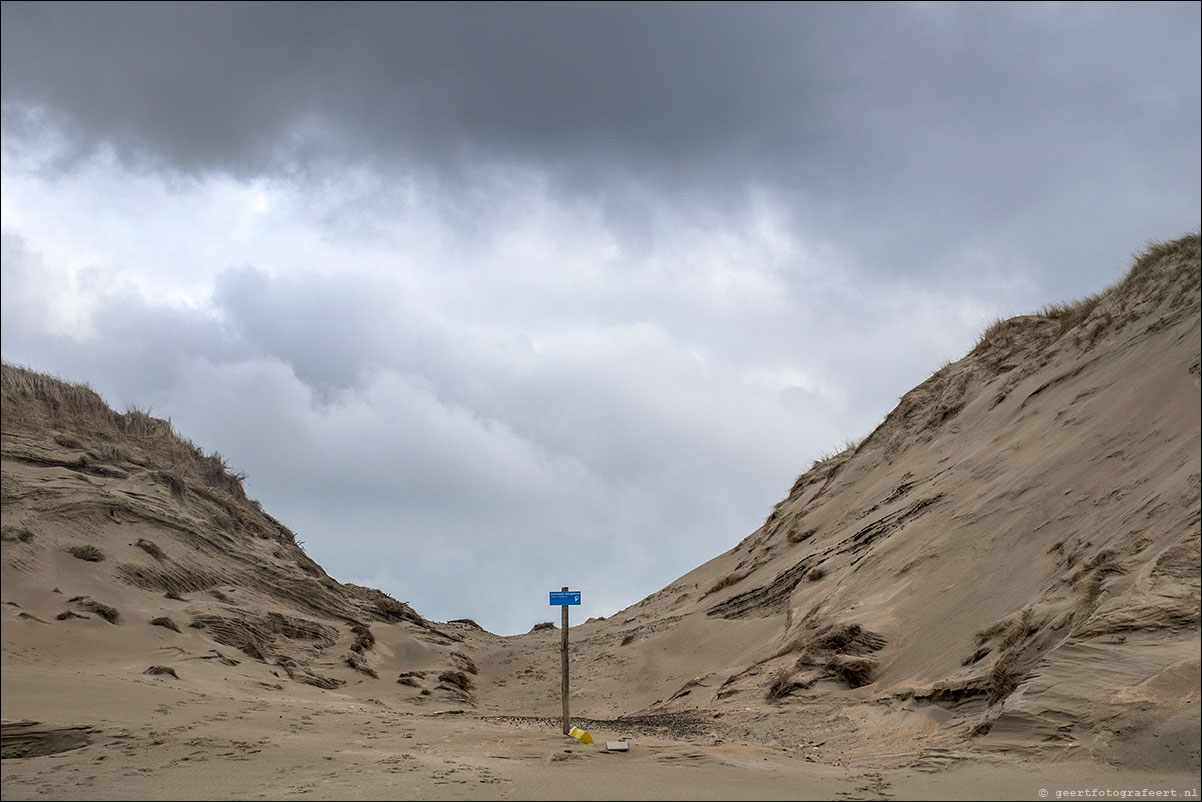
(150, 738)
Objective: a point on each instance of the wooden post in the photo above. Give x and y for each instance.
(563, 656)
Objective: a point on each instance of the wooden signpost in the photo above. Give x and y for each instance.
(564, 599)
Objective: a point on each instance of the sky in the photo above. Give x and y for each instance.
(490, 299)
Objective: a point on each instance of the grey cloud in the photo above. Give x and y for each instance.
(700, 90)
(325, 327)
(223, 84)
(24, 305)
(432, 464)
(882, 126)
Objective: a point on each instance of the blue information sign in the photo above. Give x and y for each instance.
(559, 597)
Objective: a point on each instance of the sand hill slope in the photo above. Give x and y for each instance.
(1006, 569)
(121, 535)
(1009, 561)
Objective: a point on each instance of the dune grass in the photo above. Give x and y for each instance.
(87, 553)
(82, 421)
(1178, 258)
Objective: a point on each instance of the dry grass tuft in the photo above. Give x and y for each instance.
(855, 671)
(1011, 630)
(782, 685)
(175, 483)
(67, 441)
(1003, 679)
(1073, 313)
(991, 332)
(1182, 255)
(976, 656)
(1091, 577)
(838, 652)
(150, 548)
(464, 663)
(164, 621)
(161, 671)
(358, 662)
(848, 449)
(849, 638)
(799, 537)
(87, 553)
(15, 534)
(457, 679)
(109, 614)
(981, 728)
(392, 611)
(732, 578)
(364, 640)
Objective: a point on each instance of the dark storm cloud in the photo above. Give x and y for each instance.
(881, 124)
(225, 85)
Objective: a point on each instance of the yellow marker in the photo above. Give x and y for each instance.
(581, 735)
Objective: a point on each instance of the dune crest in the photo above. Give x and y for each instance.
(1011, 559)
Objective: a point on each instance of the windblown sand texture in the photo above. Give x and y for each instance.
(995, 592)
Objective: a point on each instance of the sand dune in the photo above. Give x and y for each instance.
(996, 592)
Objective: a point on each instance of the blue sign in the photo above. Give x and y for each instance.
(561, 597)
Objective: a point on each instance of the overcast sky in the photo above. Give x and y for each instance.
(491, 299)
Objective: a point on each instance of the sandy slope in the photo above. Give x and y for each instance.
(996, 592)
